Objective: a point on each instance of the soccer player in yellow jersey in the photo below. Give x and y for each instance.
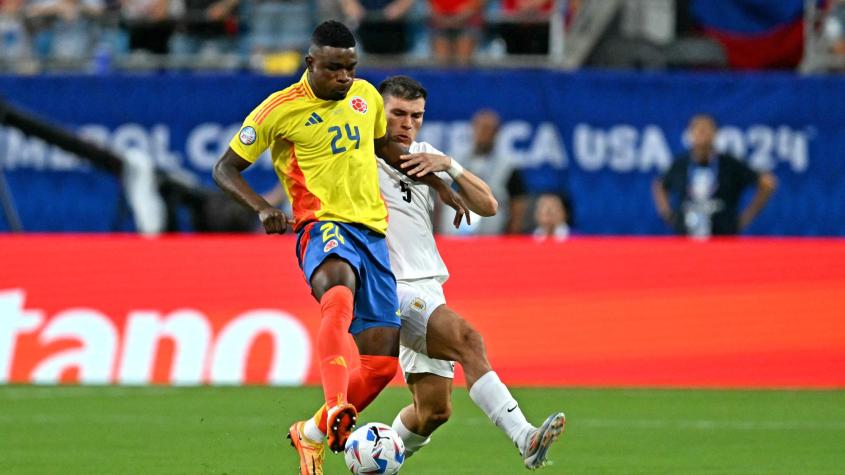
(324, 133)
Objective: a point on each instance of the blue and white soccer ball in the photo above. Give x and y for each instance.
(374, 448)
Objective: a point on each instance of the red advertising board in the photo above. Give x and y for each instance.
(589, 312)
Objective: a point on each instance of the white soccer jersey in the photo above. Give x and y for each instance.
(410, 228)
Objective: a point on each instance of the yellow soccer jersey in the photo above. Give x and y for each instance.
(322, 151)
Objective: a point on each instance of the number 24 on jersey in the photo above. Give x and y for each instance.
(337, 133)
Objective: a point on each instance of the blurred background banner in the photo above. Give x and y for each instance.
(596, 136)
(596, 312)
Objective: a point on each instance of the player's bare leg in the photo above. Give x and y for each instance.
(450, 337)
(431, 408)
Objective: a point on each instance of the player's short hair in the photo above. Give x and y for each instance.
(402, 87)
(334, 34)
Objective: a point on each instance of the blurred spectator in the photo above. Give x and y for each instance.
(455, 29)
(64, 29)
(193, 208)
(699, 195)
(208, 27)
(525, 26)
(382, 25)
(649, 20)
(14, 39)
(149, 23)
(486, 160)
(550, 218)
(280, 25)
(834, 28)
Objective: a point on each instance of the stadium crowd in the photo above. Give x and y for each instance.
(70, 32)
(98, 35)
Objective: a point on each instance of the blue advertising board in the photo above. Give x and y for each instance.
(600, 136)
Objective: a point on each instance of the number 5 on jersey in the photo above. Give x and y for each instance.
(406, 190)
(338, 134)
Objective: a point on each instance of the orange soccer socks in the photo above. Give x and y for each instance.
(336, 307)
(365, 383)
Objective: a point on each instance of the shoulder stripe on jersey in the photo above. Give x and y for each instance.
(272, 103)
(275, 96)
(276, 101)
(265, 111)
(307, 88)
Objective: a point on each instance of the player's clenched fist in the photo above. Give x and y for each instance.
(274, 220)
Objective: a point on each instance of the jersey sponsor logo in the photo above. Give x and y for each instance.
(247, 135)
(314, 119)
(358, 104)
(330, 245)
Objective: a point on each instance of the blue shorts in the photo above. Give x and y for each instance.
(376, 304)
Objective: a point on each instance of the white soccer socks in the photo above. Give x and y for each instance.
(413, 442)
(494, 398)
(312, 432)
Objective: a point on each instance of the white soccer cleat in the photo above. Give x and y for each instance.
(539, 442)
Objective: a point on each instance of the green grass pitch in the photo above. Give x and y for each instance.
(111, 430)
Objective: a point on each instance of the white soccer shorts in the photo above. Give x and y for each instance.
(418, 299)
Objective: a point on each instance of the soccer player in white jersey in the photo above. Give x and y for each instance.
(433, 335)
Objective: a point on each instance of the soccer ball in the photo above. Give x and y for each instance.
(374, 448)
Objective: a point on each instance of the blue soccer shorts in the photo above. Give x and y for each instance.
(376, 304)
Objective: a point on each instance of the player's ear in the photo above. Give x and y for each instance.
(309, 63)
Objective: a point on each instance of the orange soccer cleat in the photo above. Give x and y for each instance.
(311, 453)
(340, 423)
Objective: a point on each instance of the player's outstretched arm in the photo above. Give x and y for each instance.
(227, 175)
(477, 194)
(391, 152)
